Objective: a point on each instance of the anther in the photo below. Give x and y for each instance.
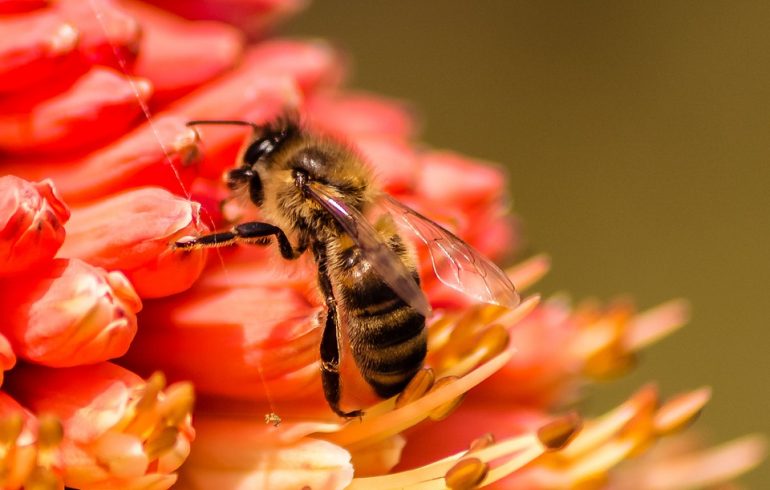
(177, 403)
(417, 387)
(558, 433)
(443, 411)
(482, 442)
(10, 428)
(493, 340)
(50, 431)
(161, 443)
(466, 474)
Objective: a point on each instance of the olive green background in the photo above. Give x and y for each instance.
(636, 135)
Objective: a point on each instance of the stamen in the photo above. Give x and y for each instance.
(710, 467)
(681, 411)
(380, 426)
(526, 273)
(656, 323)
(521, 450)
(599, 431)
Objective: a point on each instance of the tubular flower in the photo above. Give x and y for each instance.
(94, 106)
(119, 431)
(31, 224)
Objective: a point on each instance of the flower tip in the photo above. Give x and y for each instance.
(143, 88)
(681, 411)
(186, 145)
(123, 289)
(64, 39)
(559, 432)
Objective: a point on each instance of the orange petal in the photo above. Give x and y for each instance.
(134, 232)
(454, 179)
(7, 357)
(69, 313)
(247, 342)
(270, 80)
(33, 47)
(108, 35)
(161, 153)
(119, 430)
(169, 42)
(466, 424)
(17, 6)
(256, 459)
(354, 115)
(98, 106)
(18, 437)
(252, 16)
(31, 223)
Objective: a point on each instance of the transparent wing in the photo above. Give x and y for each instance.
(387, 264)
(456, 264)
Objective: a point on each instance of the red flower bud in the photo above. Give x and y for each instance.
(33, 47)
(107, 33)
(31, 223)
(99, 105)
(159, 153)
(134, 232)
(169, 43)
(68, 313)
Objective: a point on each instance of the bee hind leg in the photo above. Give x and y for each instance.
(330, 367)
(330, 351)
(253, 232)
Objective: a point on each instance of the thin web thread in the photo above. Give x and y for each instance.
(99, 15)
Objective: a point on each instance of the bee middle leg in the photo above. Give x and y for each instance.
(330, 351)
(253, 232)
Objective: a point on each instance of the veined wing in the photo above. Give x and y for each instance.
(384, 260)
(456, 264)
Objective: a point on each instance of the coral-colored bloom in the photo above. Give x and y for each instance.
(133, 232)
(119, 431)
(68, 313)
(76, 79)
(32, 218)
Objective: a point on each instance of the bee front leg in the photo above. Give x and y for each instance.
(254, 233)
(330, 351)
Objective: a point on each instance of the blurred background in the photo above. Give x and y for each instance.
(636, 139)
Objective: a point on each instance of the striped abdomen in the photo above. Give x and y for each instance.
(387, 337)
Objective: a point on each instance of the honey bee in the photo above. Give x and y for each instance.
(319, 192)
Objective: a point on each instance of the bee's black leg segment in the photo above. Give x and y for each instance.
(207, 241)
(330, 351)
(254, 233)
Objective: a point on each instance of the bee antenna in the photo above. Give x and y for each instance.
(231, 122)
